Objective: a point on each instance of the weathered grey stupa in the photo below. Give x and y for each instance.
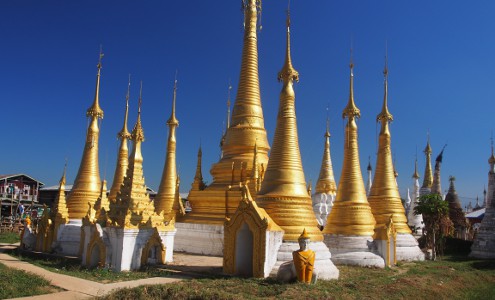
(484, 243)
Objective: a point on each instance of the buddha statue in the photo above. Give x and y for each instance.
(304, 259)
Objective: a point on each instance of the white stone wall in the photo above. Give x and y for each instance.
(199, 239)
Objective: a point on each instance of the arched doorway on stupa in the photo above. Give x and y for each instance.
(154, 251)
(244, 251)
(96, 254)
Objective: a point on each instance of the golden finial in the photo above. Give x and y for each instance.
(63, 180)
(327, 133)
(124, 133)
(385, 115)
(369, 168)
(351, 111)
(138, 132)
(288, 73)
(416, 174)
(172, 121)
(95, 111)
(228, 106)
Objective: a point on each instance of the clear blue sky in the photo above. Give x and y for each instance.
(441, 66)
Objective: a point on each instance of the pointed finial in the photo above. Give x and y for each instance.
(138, 132)
(351, 111)
(491, 160)
(124, 133)
(288, 14)
(172, 121)
(369, 163)
(288, 73)
(95, 110)
(327, 133)
(62, 180)
(140, 98)
(385, 115)
(428, 147)
(228, 106)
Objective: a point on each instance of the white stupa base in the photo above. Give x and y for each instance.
(324, 266)
(202, 239)
(484, 242)
(353, 250)
(407, 248)
(68, 238)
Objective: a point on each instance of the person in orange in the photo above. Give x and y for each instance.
(304, 259)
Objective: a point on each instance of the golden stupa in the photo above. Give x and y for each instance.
(326, 180)
(87, 184)
(123, 155)
(351, 213)
(428, 178)
(132, 207)
(60, 213)
(167, 199)
(283, 192)
(220, 199)
(384, 197)
(198, 183)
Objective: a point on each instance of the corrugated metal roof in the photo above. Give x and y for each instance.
(477, 214)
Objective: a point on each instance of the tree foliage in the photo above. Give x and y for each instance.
(435, 213)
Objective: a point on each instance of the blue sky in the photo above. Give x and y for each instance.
(441, 80)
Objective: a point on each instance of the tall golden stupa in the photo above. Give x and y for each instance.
(283, 192)
(384, 197)
(87, 184)
(428, 177)
(326, 179)
(351, 213)
(220, 199)
(167, 199)
(123, 155)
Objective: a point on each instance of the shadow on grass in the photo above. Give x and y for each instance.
(483, 265)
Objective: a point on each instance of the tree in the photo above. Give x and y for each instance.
(435, 213)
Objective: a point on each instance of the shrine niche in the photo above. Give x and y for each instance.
(154, 251)
(386, 242)
(251, 240)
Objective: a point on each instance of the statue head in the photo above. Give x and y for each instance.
(304, 240)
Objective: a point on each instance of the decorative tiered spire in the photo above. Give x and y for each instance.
(60, 211)
(123, 155)
(198, 183)
(428, 178)
(326, 180)
(166, 199)
(416, 174)
(247, 123)
(351, 213)
(221, 198)
(283, 192)
(133, 206)
(369, 183)
(384, 197)
(415, 221)
(87, 184)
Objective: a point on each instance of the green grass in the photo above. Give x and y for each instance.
(9, 237)
(451, 278)
(72, 267)
(17, 283)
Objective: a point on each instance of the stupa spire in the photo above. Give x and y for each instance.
(123, 155)
(133, 206)
(428, 177)
(326, 179)
(59, 205)
(384, 197)
(351, 213)
(415, 174)
(166, 198)
(87, 184)
(247, 122)
(198, 183)
(436, 186)
(283, 192)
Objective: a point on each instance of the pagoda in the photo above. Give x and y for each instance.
(384, 197)
(87, 185)
(415, 221)
(326, 189)
(484, 242)
(283, 196)
(436, 186)
(350, 225)
(428, 177)
(201, 231)
(456, 214)
(123, 154)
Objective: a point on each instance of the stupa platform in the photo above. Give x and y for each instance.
(407, 248)
(484, 243)
(68, 238)
(353, 250)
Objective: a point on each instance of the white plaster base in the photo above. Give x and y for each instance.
(353, 250)
(68, 238)
(407, 248)
(324, 266)
(202, 239)
(126, 247)
(484, 242)
(168, 238)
